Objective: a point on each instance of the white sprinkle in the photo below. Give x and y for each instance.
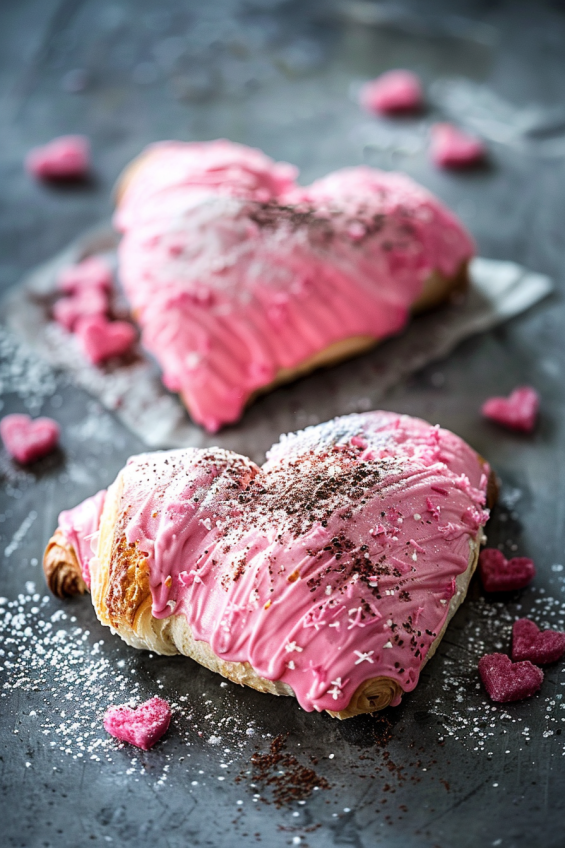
(417, 516)
(388, 644)
(292, 646)
(364, 656)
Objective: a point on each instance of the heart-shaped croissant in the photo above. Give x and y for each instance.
(329, 573)
(241, 279)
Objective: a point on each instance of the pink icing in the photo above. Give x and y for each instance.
(26, 439)
(80, 528)
(394, 91)
(235, 272)
(102, 339)
(453, 148)
(142, 726)
(66, 157)
(327, 566)
(519, 411)
(93, 272)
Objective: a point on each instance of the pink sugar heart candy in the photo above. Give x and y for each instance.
(93, 272)
(394, 91)
(68, 311)
(142, 726)
(518, 411)
(507, 681)
(538, 646)
(452, 148)
(27, 440)
(499, 574)
(64, 158)
(102, 339)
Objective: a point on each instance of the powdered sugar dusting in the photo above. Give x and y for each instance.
(45, 650)
(24, 373)
(476, 723)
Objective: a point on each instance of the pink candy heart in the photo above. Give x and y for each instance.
(538, 646)
(67, 157)
(518, 411)
(93, 272)
(27, 440)
(452, 148)
(102, 339)
(395, 91)
(68, 311)
(499, 574)
(142, 726)
(508, 681)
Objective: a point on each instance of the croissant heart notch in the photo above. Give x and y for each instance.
(329, 573)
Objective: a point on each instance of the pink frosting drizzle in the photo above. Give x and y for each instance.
(235, 272)
(80, 527)
(331, 564)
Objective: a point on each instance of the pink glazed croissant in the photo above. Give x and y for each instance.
(330, 573)
(240, 279)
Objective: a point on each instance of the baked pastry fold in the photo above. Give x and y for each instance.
(329, 573)
(241, 279)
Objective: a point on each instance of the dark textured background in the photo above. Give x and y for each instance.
(278, 75)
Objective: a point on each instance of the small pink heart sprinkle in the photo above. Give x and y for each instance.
(499, 574)
(538, 646)
(394, 91)
(508, 681)
(27, 440)
(452, 148)
(102, 339)
(66, 157)
(142, 726)
(93, 272)
(518, 411)
(68, 311)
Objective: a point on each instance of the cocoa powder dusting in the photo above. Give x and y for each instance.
(288, 779)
